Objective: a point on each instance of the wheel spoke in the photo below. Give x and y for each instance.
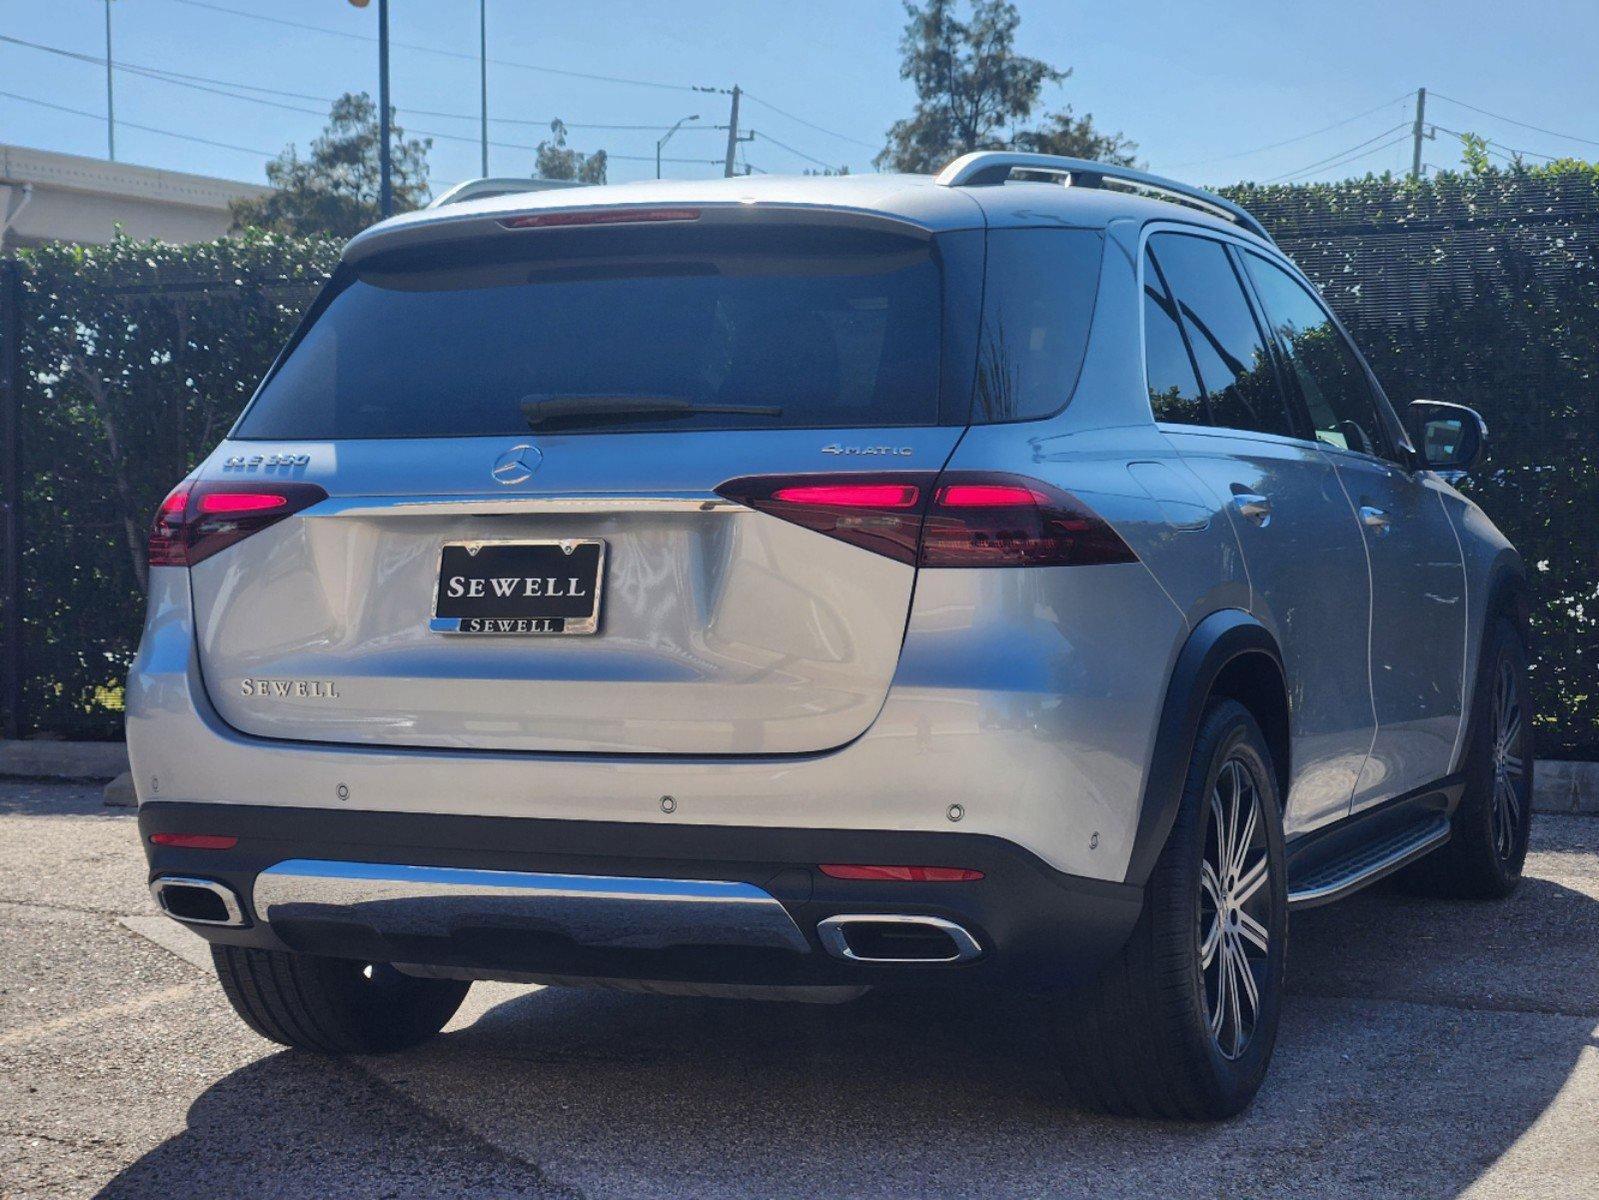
(1253, 930)
(1250, 881)
(1250, 989)
(1207, 947)
(1235, 776)
(1241, 851)
(1219, 1013)
(1513, 765)
(1235, 967)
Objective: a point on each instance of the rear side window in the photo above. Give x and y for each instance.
(1235, 368)
(1038, 305)
(1174, 391)
(1331, 381)
(699, 327)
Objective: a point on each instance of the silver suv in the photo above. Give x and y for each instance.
(793, 586)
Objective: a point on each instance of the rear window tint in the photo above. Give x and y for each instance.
(1038, 304)
(816, 327)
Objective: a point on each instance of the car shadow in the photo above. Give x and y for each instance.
(1421, 1040)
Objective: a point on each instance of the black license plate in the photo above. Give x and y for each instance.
(519, 588)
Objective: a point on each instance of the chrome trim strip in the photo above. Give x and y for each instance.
(618, 912)
(1425, 840)
(497, 503)
(230, 902)
(831, 933)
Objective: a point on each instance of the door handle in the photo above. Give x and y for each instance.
(1253, 507)
(1374, 518)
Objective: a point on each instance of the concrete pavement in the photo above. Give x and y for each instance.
(1429, 1049)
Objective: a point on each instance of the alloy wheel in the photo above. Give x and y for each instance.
(1235, 909)
(1509, 762)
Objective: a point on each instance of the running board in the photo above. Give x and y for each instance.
(1334, 880)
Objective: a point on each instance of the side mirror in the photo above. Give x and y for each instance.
(1449, 437)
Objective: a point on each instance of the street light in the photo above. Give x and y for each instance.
(668, 138)
(385, 189)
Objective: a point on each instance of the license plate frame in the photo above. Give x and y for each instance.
(510, 623)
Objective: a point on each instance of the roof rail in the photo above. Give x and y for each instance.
(476, 189)
(983, 168)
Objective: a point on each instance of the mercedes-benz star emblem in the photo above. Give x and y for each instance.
(517, 464)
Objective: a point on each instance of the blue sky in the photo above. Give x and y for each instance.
(1197, 86)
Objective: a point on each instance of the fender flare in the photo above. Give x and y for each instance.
(1214, 642)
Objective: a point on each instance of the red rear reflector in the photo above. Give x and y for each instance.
(859, 495)
(195, 841)
(240, 502)
(600, 216)
(901, 874)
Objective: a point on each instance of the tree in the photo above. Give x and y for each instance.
(337, 189)
(974, 92)
(1076, 137)
(558, 161)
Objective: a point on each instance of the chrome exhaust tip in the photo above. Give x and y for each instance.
(197, 901)
(896, 938)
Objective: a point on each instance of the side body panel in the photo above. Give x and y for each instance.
(1418, 625)
(1310, 588)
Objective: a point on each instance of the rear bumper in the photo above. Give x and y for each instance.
(609, 900)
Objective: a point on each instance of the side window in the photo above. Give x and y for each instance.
(1174, 391)
(1234, 365)
(1038, 305)
(1334, 387)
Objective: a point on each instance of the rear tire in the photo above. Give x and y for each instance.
(333, 1005)
(1181, 1023)
(1491, 826)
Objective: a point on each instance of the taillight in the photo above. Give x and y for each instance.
(957, 519)
(880, 513)
(981, 520)
(199, 519)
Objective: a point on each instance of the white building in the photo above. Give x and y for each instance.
(46, 196)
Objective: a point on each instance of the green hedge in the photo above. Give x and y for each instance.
(136, 358)
(1478, 289)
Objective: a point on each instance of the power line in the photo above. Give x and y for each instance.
(1570, 137)
(1299, 138)
(1490, 143)
(134, 125)
(1328, 161)
(796, 153)
(162, 75)
(499, 62)
(808, 124)
(1345, 161)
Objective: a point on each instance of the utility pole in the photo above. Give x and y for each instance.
(110, 111)
(732, 132)
(1418, 132)
(483, 76)
(386, 191)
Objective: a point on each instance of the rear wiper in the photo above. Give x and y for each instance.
(544, 410)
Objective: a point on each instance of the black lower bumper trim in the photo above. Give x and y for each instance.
(1038, 927)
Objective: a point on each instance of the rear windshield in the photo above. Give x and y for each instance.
(694, 327)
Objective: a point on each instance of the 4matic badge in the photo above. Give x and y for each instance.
(839, 448)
